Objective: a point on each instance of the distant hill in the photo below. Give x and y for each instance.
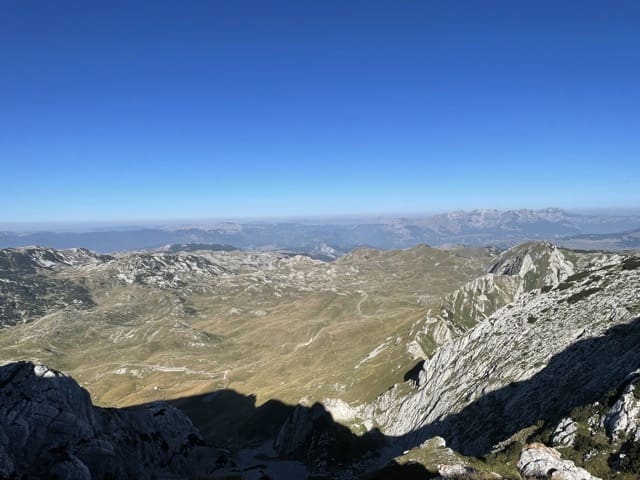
(328, 240)
(629, 240)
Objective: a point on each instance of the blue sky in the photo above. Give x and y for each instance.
(122, 111)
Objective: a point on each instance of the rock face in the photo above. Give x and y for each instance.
(538, 462)
(565, 433)
(538, 264)
(463, 472)
(27, 288)
(479, 298)
(513, 273)
(294, 434)
(462, 309)
(623, 419)
(50, 429)
(309, 434)
(535, 359)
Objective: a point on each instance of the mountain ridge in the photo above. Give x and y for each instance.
(471, 228)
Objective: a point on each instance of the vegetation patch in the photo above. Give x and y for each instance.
(628, 460)
(502, 462)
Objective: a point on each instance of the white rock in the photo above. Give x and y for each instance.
(623, 419)
(565, 433)
(538, 462)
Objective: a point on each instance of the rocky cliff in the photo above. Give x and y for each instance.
(535, 358)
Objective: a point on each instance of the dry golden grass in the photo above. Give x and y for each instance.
(302, 330)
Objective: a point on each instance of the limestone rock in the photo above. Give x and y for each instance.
(623, 419)
(294, 434)
(565, 433)
(49, 428)
(538, 462)
(540, 263)
(537, 358)
(463, 472)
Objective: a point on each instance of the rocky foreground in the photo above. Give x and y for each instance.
(50, 429)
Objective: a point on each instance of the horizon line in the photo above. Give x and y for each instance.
(32, 226)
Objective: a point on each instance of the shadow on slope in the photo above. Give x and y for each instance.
(228, 419)
(579, 375)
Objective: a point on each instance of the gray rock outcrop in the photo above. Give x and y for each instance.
(537, 358)
(50, 429)
(538, 462)
(565, 433)
(463, 472)
(538, 263)
(623, 418)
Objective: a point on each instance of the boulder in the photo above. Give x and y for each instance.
(539, 462)
(565, 433)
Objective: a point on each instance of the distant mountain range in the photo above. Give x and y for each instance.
(629, 240)
(330, 240)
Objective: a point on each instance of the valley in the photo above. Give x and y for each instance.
(168, 325)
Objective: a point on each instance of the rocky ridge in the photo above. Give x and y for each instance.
(516, 344)
(513, 273)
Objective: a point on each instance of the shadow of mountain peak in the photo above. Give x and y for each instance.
(280, 432)
(583, 373)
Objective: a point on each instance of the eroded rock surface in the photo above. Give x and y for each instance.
(565, 433)
(623, 419)
(537, 358)
(538, 462)
(50, 429)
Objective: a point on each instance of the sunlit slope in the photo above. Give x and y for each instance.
(279, 326)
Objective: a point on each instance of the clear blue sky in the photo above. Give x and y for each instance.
(154, 110)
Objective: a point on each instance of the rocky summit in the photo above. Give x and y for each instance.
(458, 363)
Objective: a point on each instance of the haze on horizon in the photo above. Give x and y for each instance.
(320, 220)
(121, 113)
